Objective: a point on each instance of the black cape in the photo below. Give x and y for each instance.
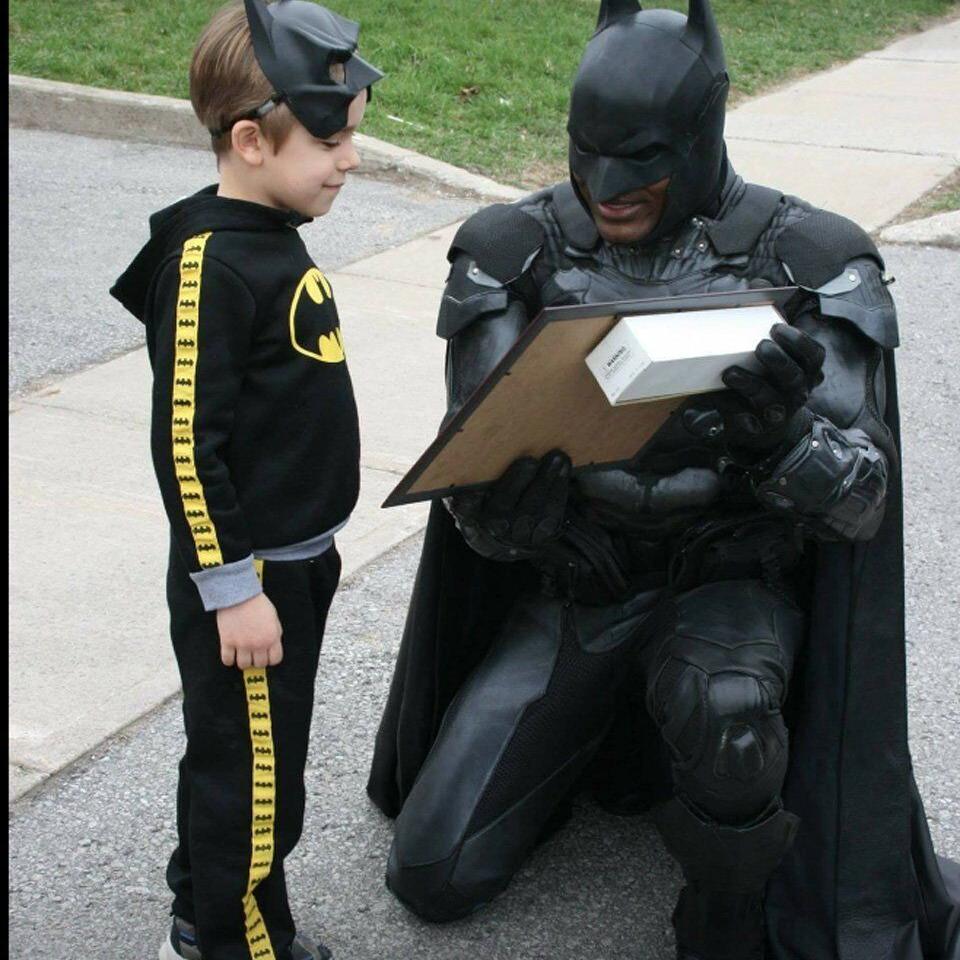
(862, 881)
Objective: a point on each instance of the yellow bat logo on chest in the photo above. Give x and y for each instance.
(310, 331)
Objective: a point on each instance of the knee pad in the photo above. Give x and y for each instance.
(715, 684)
(726, 736)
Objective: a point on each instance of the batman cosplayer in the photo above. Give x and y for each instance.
(715, 633)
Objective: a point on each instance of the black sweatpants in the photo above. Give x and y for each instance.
(240, 799)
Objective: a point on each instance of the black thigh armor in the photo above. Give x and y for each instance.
(510, 749)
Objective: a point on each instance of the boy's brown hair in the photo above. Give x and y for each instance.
(226, 82)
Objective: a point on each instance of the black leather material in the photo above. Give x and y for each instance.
(848, 372)
(835, 474)
(716, 679)
(576, 224)
(717, 857)
(626, 494)
(739, 231)
(868, 306)
(465, 299)
(501, 239)
(478, 348)
(492, 779)
(433, 823)
(647, 104)
(818, 247)
(718, 925)
(834, 478)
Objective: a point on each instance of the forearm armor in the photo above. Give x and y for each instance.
(834, 479)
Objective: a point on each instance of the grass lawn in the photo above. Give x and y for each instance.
(943, 198)
(479, 83)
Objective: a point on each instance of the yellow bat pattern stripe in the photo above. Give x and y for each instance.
(186, 355)
(263, 804)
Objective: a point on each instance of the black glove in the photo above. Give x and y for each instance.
(767, 409)
(526, 507)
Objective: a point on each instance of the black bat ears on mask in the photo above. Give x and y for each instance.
(702, 30)
(701, 25)
(611, 10)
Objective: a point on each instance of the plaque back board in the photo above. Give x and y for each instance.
(541, 397)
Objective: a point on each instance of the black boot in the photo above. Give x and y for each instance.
(720, 912)
(715, 925)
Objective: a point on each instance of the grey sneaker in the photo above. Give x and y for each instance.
(182, 945)
(182, 942)
(303, 948)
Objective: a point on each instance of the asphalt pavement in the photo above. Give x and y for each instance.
(88, 848)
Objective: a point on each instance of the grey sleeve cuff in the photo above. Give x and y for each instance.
(228, 584)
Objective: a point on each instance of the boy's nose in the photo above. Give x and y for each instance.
(351, 161)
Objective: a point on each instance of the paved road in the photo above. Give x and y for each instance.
(78, 214)
(87, 851)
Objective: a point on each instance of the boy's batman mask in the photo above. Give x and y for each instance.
(647, 103)
(298, 45)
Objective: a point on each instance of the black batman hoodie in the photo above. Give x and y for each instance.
(254, 429)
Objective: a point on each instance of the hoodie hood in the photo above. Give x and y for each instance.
(197, 213)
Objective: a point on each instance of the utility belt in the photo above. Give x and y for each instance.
(745, 547)
(597, 568)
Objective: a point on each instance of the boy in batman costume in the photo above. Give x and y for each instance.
(656, 631)
(255, 443)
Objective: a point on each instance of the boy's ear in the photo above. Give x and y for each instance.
(248, 141)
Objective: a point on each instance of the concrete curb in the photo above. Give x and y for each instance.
(115, 114)
(940, 230)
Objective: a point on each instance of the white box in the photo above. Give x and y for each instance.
(659, 355)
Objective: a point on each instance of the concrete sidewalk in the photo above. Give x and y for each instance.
(864, 139)
(88, 647)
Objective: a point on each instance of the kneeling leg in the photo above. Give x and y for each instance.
(717, 679)
(510, 748)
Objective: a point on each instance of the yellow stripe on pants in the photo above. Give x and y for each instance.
(263, 805)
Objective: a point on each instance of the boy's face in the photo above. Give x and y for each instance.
(306, 174)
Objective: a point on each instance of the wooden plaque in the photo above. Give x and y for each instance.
(542, 397)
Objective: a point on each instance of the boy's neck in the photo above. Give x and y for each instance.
(232, 187)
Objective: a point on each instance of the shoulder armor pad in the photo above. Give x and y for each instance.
(859, 295)
(501, 239)
(816, 248)
(470, 293)
(739, 230)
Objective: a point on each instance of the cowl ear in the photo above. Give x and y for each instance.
(258, 17)
(611, 10)
(702, 30)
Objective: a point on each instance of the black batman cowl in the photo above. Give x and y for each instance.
(649, 102)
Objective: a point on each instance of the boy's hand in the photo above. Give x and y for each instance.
(250, 634)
